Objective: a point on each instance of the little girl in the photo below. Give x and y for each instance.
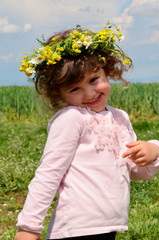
(91, 152)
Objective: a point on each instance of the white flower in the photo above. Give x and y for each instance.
(121, 38)
(38, 59)
(79, 44)
(30, 70)
(87, 41)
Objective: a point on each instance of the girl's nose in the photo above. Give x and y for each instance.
(89, 93)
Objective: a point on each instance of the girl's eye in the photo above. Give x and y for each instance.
(93, 79)
(74, 89)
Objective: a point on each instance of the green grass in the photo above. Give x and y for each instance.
(21, 145)
(22, 138)
(22, 103)
(140, 101)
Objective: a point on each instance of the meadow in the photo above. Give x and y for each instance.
(23, 124)
(140, 101)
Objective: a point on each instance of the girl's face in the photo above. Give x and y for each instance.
(92, 92)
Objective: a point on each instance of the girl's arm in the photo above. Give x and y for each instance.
(21, 234)
(58, 153)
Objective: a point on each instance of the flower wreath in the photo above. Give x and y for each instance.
(79, 41)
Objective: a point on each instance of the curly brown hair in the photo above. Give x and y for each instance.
(70, 70)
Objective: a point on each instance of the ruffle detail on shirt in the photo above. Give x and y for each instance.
(112, 129)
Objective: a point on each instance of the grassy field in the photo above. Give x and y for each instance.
(23, 135)
(140, 101)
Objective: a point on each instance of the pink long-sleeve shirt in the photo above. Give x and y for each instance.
(82, 160)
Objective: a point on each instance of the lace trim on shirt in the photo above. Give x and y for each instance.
(112, 129)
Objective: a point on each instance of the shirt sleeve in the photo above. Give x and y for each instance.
(63, 138)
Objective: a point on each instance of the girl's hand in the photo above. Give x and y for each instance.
(24, 235)
(141, 152)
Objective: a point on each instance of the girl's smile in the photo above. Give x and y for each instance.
(93, 92)
(96, 101)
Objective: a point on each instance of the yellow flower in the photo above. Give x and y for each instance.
(77, 50)
(47, 53)
(53, 39)
(21, 69)
(76, 33)
(74, 46)
(103, 59)
(88, 40)
(60, 49)
(28, 73)
(103, 31)
(49, 62)
(119, 34)
(113, 37)
(103, 37)
(23, 63)
(127, 61)
(82, 38)
(57, 57)
(39, 58)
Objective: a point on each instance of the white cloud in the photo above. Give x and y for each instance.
(7, 58)
(56, 13)
(7, 27)
(125, 21)
(10, 28)
(146, 8)
(3, 21)
(138, 8)
(139, 21)
(27, 27)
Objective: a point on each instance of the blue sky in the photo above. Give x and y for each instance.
(21, 22)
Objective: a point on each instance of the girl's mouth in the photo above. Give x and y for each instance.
(96, 101)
